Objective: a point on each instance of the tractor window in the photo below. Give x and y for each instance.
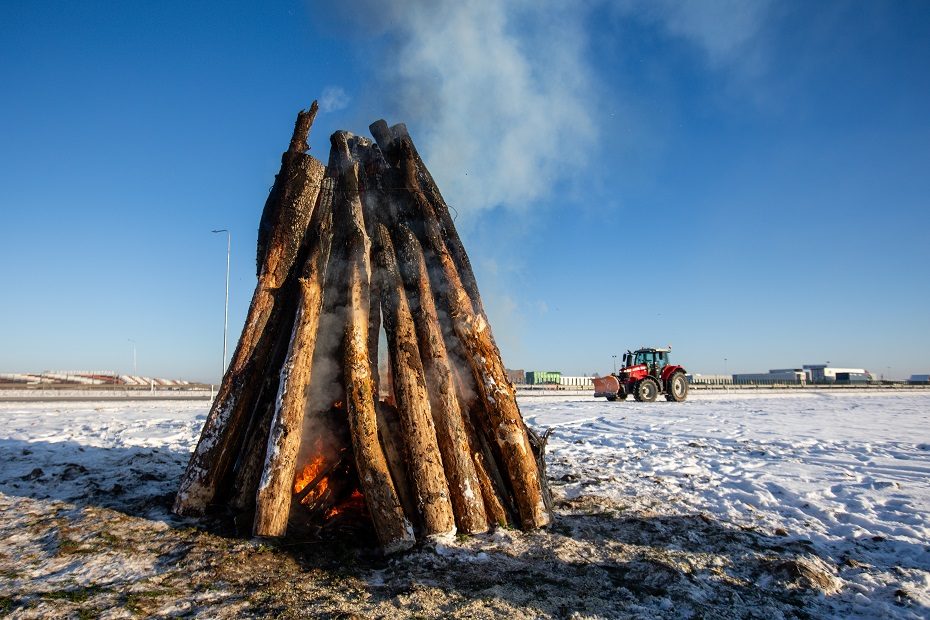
(645, 357)
(662, 361)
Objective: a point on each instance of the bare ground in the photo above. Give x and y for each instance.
(113, 551)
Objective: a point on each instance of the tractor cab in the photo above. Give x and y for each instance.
(653, 358)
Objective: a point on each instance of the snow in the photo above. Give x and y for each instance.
(823, 494)
(847, 471)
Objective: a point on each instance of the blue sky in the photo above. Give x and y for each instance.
(743, 180)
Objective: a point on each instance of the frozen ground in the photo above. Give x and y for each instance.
(728, 505)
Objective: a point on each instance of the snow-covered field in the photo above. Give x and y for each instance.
(729, 505)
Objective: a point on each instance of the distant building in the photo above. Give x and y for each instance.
(919, 379)
(701, 379)
(543, 377)
(853, 377)
(778, 375)
(577, 383)
(517, 377)
(821, 373)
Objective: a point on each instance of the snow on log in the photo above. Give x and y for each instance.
(273, 498)
(454, 445)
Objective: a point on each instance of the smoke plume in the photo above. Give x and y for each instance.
(495, 93)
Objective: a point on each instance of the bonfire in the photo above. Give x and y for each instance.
(306, 431)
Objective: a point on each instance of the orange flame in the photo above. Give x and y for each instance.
(356, 501)
(310, 471)
(316, 493)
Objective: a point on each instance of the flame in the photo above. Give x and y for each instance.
(316, 493)
(356, 501)
(310, 471)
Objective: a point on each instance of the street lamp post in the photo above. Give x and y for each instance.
(615, 362)
(725, 374)
(226, 304)
(133, 343)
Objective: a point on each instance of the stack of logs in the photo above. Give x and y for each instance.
(300, 419)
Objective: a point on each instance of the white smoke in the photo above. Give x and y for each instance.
(501, 96)
(496, 94)
(333, 99)
(725, 31)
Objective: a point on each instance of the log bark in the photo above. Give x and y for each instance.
(392, 439)
(454, 445)
(483, 357)
(498, 501)
(391, 138)
(284, 223)
(393, 529)
(425, 465)
(273, 498)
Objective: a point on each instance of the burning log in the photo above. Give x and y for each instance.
(427, 185)
(273, 499)
(283, 225)
(298, 439)
(391, 525)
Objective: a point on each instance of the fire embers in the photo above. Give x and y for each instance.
(326, 486)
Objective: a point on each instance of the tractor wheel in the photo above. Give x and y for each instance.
(612, 398)
(646, 390)
(676, 388)
(622, 395)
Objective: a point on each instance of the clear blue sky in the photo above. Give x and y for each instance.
(743, 180)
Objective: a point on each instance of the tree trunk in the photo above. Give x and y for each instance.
(273, 499)
(284, 223)
(392, 527)
(425, 464)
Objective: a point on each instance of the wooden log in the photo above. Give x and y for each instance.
(454, 445)
(273, 497)
(391, 434)
(393, 529)
(483, 357)
(425, 464)
(498, 500)
(284, 223)
(389, 426)
(389, 139)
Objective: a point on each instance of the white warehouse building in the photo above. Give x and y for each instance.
(821, 373)
(576, 383)
(778, 375)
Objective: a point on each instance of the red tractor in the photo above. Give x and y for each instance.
(645, 374)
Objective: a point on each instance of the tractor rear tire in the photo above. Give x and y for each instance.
(646, 390)
(676, 388)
